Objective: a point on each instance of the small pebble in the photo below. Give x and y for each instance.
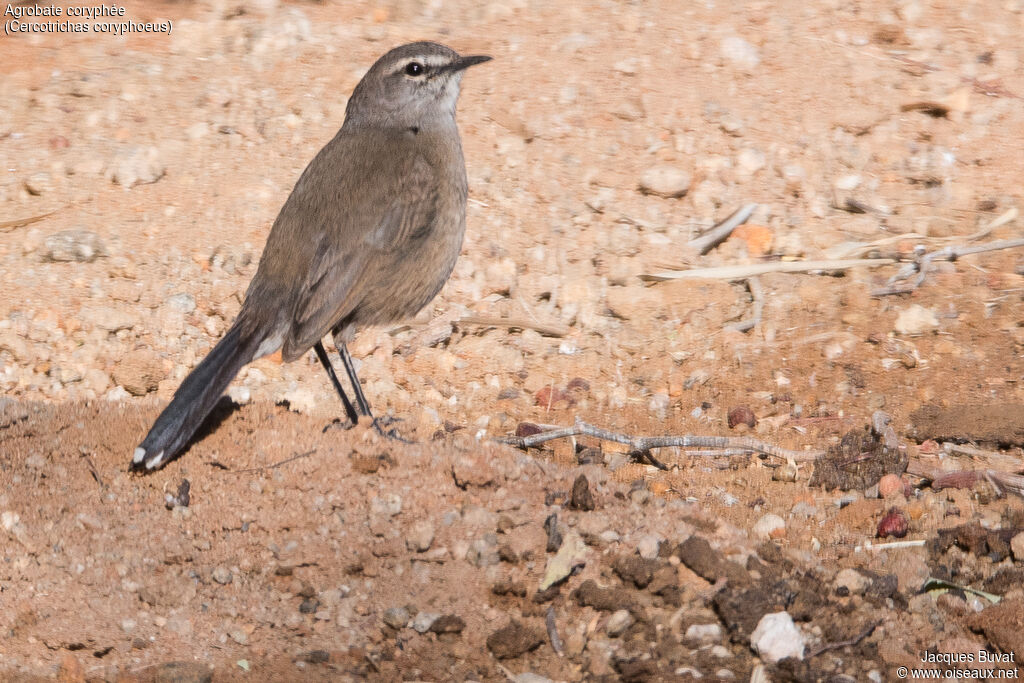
(769, 527)
(851, 581)
(1017, 546)
(618, 622)
(223, 575)
(396, 617)
(183, 302)
(136, 165)
(82, 246)
(777, 637)
(424, 620)
(648, 546)
(665, 181)
(895, 524)
(420, 537)
(914, 320)
(889, 485)
(742, 415)
(39, 184)
(704, 634)
(739, 52)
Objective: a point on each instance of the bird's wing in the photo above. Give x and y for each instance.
(358, 244)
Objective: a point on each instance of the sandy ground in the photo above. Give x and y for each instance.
(142, 173)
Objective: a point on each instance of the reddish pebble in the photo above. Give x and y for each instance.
(527, 429)
(894, 524)
(742, 415)
(545, 396)
(890, 485)
(549, 396)
(578, 383)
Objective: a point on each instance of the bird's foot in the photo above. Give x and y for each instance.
(337, 423)
(381, 423)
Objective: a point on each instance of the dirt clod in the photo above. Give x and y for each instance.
(515, 639)
(589, 594)
(1001, 424)
(636, 570)
(581, 498)
(858, 461)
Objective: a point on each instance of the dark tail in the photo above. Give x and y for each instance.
(194, 399)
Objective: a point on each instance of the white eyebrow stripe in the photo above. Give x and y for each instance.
(436, 60)
(430, 61)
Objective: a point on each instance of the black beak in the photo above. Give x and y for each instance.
(466, 62)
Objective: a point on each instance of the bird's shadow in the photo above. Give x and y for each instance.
(223, 409)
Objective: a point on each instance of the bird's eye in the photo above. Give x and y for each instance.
(414, 69)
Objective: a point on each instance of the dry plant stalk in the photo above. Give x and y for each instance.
(642, 445)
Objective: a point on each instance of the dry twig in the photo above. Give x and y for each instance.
(999, 221)
(276, 464)
(825, 647)
(757, 293)
(546, 329)
(1003, 461)
(21, 222)
(641, 446)
(894, 545)
(552, 627)
(743, 272)
(93, 471)
(921, 265)
(719, 233)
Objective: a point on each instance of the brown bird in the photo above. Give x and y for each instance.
(368, 236)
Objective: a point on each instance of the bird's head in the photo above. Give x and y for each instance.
(412, 86)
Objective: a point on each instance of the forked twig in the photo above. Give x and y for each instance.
(642, 445)
(825, 647)
(921, 265)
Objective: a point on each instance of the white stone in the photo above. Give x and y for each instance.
(847, 182)
(618, 622)
(915, 319)
(855, 582)
(777, 637)
(751, 160)
(741, 53)
(765, 526)
(136, 165)
(300, 400)
(648, 546)
(705, 634)
(665, 181)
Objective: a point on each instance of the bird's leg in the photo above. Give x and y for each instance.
(364, 405)
(350, 368)
(350, 410)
